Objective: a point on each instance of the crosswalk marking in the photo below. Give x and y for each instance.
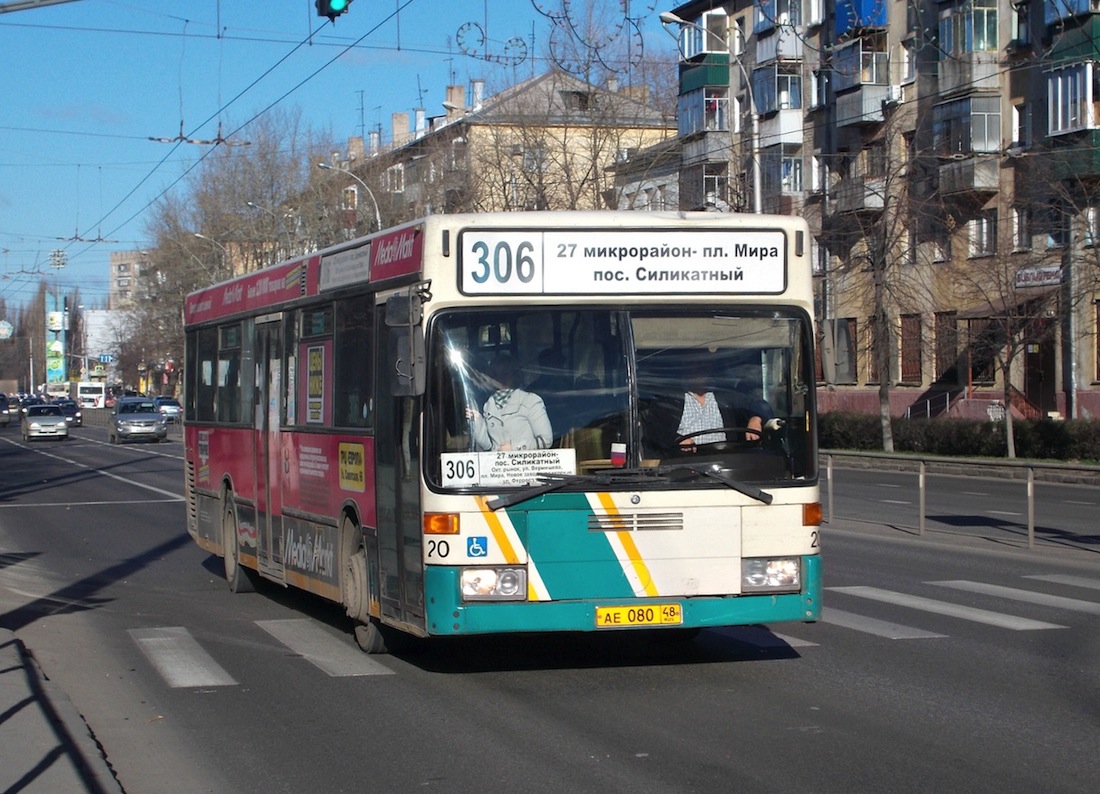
(1072, 581)
(880, 628)
(1028, 596)
(334, 656)
(944, 608)
(179, 658)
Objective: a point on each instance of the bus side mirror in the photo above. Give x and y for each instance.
(403, 314)
(403, 310)
(407, 354)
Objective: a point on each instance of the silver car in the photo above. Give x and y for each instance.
(136, 419)
(43, 421)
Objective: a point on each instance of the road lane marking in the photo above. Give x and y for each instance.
(174, 497)
(179, 658)
(1027, 596)
(337, 657)
(895, 502)
(998, 619)
(1072, 581)
(1013, 513)
(879, 628)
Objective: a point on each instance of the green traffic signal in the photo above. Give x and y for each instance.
(331, 8)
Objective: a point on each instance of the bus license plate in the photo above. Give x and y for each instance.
(643, 615)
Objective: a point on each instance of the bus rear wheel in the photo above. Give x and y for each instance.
(239, 578)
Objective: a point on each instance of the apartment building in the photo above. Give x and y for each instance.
(946, 155)
(545, 143)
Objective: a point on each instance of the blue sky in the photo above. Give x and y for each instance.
(85, 84)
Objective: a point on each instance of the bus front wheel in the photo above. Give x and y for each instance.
(237, 576)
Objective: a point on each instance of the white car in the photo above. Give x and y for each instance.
(44, 421)
(169, 407)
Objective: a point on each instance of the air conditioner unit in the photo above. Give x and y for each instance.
(895, 94)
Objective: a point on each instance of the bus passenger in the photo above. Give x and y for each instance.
(512, 418)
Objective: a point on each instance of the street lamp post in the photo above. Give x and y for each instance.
(225, 253)
(286, 231)
(668, 18)
(374, 201)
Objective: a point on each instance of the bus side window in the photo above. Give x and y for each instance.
(351, 367)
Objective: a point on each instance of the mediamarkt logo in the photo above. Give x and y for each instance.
(400, 247)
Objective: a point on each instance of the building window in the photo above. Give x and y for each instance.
(577, 100)
(860, 63)
(1021, 126)
(967, 125)
(124, 267)
(1021, 23)
(1069, 99)
(983, 233)
(1092, 226)
(910, 348)
(1057, 228)
(716, 185)
(394, 178)
(1021, 229)
(350, 198)
(947, 347)
(776, 88)
(907, 53)
(968, 28)
(123, 282)
(705, 110)
(708, 34)
(770, 14)
(791, 175)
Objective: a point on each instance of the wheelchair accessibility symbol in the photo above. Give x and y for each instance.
(477, 547)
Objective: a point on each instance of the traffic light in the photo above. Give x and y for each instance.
(331, 8)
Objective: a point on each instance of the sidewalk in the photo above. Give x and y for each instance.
(45, 746)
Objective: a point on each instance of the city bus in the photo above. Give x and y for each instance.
(334, 408)
(91, 394)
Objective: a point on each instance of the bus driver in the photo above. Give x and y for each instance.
(512, 418)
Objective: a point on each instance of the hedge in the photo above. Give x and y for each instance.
(1075, 440)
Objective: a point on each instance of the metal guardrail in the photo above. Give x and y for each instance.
(1026, 470)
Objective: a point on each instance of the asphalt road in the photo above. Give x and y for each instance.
(956, 661)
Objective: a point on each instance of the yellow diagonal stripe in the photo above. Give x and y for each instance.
(500, 535)
(627, 540)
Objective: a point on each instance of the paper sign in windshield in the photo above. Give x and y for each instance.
(503, 469)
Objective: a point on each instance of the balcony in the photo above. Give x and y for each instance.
(713, 147)
(784, 127)
(859, 194)
(863, 106)
(977, 71)
(785, 44)
(977, 174)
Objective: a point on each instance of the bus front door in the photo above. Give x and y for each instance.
(397, 492)
(269, 390)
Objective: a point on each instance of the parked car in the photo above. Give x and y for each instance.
(43, 421)
(136, 419)
(73, 415)
(169, 406)
(5, 411)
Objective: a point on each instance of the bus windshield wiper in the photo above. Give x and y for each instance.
(554, 482)
(714, 472)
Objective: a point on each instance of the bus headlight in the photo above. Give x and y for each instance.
(494, 584)
(771, 575)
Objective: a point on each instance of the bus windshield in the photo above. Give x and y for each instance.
(520, 395)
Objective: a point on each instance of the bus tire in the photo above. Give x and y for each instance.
(239, 578)
(369, 637)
